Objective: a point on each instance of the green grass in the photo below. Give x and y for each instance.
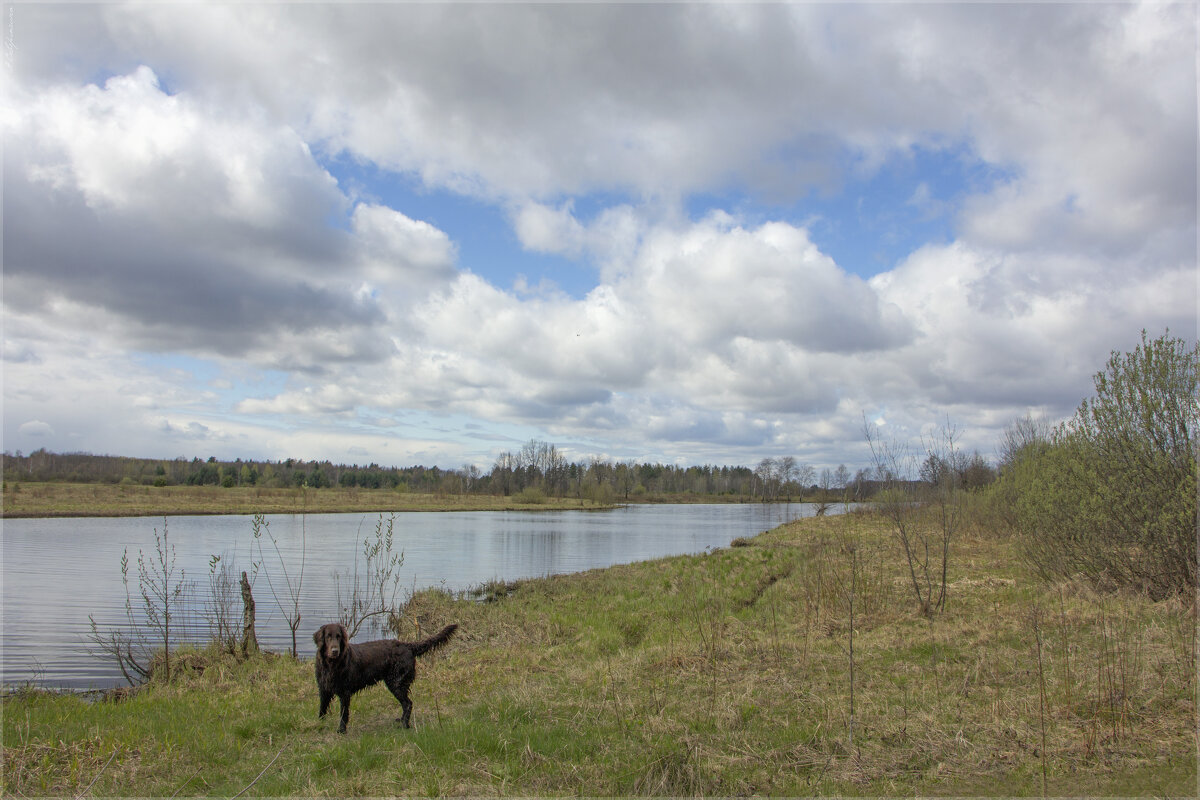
(713, 674)
(99, 500)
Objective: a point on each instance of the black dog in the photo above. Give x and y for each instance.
(344, 668)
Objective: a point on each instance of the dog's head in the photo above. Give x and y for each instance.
(331, 641)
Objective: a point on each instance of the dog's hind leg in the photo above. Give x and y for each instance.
(399, 687)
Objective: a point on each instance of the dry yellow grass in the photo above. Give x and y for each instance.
(104, 500)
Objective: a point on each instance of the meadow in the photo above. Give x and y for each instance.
(793, 663)
(54, 499)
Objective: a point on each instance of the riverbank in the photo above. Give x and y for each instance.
(22, 500)
(735, 672)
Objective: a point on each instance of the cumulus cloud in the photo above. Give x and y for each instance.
(396, 249)
(329, 399)
(181, 205)
(180, 227)
(542, 229)
(36, 428)
(538, 100)
(717, 282)
(544, 100)
(186, 430)
(715, 316)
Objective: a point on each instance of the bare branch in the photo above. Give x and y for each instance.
(264, 772)
(98, 774)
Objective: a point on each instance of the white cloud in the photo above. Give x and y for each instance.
(717, 281)
(192, 229)
(181, 206)
(130, 148)
(714, 316)
(36, 428)
(327, 399)
(187, 431)
(397, 248)
(542, 101)
(549, 230)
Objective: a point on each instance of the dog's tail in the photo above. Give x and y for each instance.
(435, 641)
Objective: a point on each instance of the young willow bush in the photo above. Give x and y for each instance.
(1111, 496)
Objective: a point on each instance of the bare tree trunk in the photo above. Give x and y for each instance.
(249, 639)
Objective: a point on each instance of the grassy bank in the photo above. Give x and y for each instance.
(727, 673)
(113, 500)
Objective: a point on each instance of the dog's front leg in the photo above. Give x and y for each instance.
(326, 697)
(345, 698)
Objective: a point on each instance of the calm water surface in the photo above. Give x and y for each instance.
(57, 572)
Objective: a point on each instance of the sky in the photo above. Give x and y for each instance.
(678, 233)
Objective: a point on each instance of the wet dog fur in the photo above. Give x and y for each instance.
(343, 668)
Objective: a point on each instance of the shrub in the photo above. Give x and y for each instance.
(531, 494)
(926, 514)
(1112, 496)
(599, 493)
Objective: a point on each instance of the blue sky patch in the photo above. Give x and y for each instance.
(867, 224)
(481, 231)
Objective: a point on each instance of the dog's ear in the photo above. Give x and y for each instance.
(318, 636)
(345, 635)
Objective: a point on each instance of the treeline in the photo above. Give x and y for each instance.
(42, 465)
(538, 468)
(542, 467)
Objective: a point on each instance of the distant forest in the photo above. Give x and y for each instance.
(537, 467)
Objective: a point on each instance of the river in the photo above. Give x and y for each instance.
(59, 572)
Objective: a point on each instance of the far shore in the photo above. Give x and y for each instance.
(26, 500)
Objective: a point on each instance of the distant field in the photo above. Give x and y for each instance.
(793, 664)
(110, 500)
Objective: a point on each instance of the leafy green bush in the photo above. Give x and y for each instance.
(531, 494)
(599, 493)
(1112, 496)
